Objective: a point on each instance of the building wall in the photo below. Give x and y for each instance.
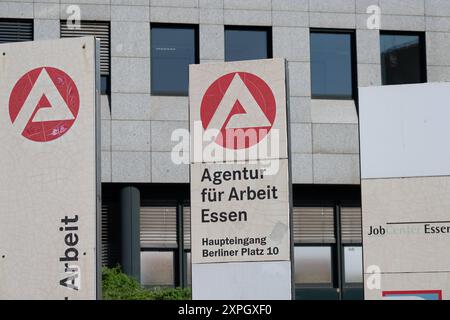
(136, 126)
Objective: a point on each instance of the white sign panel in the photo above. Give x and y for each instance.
(240, 186)
(241, 213)
(403, 130)
(48, 170)
(405, 191)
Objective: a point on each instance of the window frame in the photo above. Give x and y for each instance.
(354, 63)
(422, 52)
(333, 248)
(197, 54)
(267, 29)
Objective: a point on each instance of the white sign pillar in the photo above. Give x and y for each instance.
(240, 181)
(405, 191)
(49, 174)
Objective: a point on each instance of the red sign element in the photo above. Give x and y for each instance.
(241, 106)
(44, 104)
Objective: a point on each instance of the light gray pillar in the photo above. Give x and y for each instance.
(130, 244)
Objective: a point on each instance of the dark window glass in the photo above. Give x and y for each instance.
(104, 83)
(402, 59)
(247, 43)
(173, 49)
(331, 65)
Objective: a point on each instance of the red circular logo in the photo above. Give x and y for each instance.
(44, 104)
(241, 106)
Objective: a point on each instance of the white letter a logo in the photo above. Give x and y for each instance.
(253, 116)
(44, 97)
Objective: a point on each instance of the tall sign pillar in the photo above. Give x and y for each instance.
(49, 169)
(405, 191)
(240, 181)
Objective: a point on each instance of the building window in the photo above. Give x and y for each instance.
(333, 71)
(101, 30)
(16, 30)
(159, 244)
(188, 269)
(157, 268)
(402, 58)
(353, 268)
(314, 266)
(314, 238)
(174, 47)
(351, 238)
(247, 43)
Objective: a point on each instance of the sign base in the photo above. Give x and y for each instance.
(242, 281)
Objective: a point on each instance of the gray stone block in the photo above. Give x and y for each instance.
(301, 139)
(212, 42)
(299, 79)
(130, 135)
(300, 109)
(88, 11)
(134, 3)
(437, 24)
(106, 135)
(369, 75)
(164, 170)
(336, 169)
(368, 46)
(130, 75)
(130, 13)
(400, 23)
(333, 111)
(169, 108)
(335, 138)
(334, 6)
(211, 16)
(438, 48)
(290, 5)
(291, 43)
(46, 10)
(439, 8)
(403, 7)
(248, 17)
(16, 9)
(130, 39)
(46, 29)
(104, 2)
(174, 15)
(161, 134)
(302, 168)
(362, 5)
(248, 5)
(290, 18)
(106, 166)
(131, 106)
(174, 3)
(332, 20)
(131, 166)
(438, 73)
(211, 4)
